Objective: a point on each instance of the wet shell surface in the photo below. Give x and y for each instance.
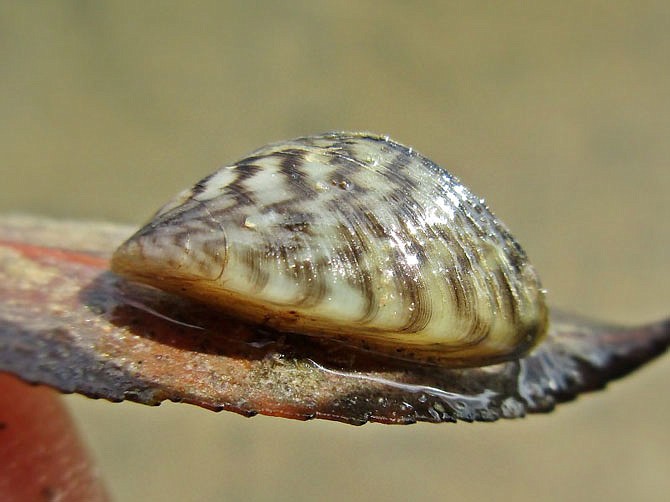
(352, 236)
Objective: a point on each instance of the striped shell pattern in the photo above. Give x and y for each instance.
(351, 236)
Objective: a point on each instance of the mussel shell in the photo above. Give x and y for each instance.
(352, 236)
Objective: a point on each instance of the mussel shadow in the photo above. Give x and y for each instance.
(187, 325)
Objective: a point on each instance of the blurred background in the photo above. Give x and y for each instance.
(557, 113)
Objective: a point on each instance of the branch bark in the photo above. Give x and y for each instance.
(67, 322)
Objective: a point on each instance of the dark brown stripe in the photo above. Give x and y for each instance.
(409, 284)
(310, 275)
(418, 297)
(478, 331)
(373, 226)
(237, 189)
(461, 282)
(351, 255)
(397, 173)
(257, 268)
(295, 222)
(201, 185)
(459, 292)
(506, 296)
(299, 182)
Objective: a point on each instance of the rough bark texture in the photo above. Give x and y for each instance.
(67, 322)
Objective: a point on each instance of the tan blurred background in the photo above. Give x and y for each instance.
(557, 113)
